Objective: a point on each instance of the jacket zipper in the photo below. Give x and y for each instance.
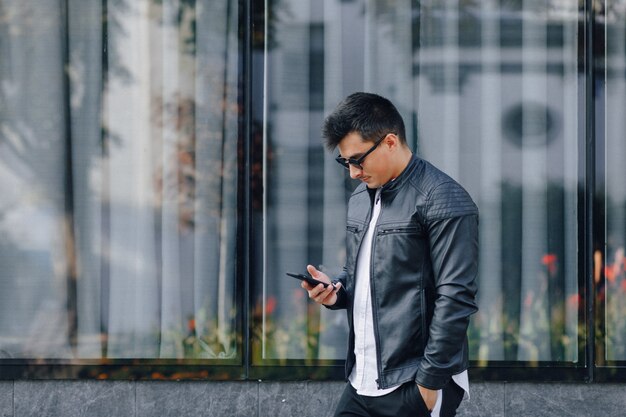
(398, 230)
(379, 364)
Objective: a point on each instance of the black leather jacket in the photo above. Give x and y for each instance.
(423, 269)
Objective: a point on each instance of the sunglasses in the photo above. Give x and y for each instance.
(346, 162)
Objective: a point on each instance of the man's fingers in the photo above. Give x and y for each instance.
(312, 270)
(319, 293)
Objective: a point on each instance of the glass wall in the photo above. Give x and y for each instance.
(119, 137)
(161, 168)
(611, 291)
(490, 94)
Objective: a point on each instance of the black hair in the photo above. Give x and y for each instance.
(367, 114)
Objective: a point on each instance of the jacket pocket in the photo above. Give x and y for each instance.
(352, 228)
(397, 229)
(353, 238)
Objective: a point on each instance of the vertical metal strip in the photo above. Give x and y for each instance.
(590, 186)
(245, 270)
(68, 220)
(105, 220)
(262, 277)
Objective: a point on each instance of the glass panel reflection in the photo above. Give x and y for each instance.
(119, 179)
(612, 289)
(489, 93)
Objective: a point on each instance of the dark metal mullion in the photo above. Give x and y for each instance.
(590, 187)
(597, 67)
(68, 220)
(245, 274)
(105, 217)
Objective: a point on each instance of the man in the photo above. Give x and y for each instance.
(408, 283)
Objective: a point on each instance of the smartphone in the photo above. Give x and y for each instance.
(309, 279)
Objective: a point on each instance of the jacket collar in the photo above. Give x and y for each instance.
(390, 189)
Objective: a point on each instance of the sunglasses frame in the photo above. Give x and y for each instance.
(346, 162)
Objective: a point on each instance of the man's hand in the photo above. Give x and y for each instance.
(429, 396)
(319, 294)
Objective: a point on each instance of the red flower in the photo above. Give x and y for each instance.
(549, 260)
(609, 273)
(573, 300)
(270, 305)
(191, 324)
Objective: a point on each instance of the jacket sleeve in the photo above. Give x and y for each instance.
(453, 237)
(342, 296)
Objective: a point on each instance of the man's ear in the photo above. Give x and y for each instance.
(392, 141)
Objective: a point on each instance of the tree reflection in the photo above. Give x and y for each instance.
(84, 141)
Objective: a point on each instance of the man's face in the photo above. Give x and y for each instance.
(376, 168)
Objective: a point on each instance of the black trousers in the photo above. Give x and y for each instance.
(405, 401)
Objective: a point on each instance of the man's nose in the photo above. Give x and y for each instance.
(355, 172)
